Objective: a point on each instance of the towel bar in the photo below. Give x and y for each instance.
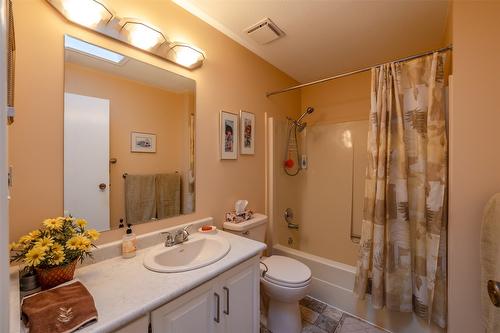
(126, 174)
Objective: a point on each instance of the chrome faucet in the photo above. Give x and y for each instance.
(169, 240)
(179, 237)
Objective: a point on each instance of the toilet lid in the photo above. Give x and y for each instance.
(286, 270)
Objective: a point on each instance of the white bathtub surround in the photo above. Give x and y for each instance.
(332, 282)
(124, 290)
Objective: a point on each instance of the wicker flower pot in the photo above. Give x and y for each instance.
(51, 277)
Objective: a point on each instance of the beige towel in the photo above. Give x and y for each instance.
(168, 195)
(61, 309)
(490, 261)
(140, 198)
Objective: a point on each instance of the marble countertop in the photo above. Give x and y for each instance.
(124, 290)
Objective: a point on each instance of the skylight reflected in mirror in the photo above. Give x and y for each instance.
(92, 50)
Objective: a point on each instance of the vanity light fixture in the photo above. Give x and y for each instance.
(143, 35)
(185, 55)
(94, 15)
(89, 13)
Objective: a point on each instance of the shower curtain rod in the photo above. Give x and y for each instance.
(444, 49)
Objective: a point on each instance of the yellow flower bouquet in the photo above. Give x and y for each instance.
(53, 251)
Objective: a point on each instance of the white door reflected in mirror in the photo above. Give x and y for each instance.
(86, 159)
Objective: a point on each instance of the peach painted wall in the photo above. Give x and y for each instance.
(474, 158)
(135, 107)
(232, 78)
(336, 101)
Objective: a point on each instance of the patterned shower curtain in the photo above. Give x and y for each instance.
(403, 240)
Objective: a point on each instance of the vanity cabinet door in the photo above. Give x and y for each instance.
(191, 313)
(241, 299)
(230, 303)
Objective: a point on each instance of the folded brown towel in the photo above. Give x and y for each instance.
(140, 198)
(168, 195)
(58, 310)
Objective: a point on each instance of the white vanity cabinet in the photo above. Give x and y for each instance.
(228, 303)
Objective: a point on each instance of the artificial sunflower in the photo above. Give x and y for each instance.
(92, 234)
(61, 241)
(81, 223)
(57, 258)
(53, 224)
(34, 256)
(45, 242)
(72, 243)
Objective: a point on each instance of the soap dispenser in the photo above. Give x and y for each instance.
(129, 243)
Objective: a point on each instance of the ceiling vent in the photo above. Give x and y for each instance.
(265, 31)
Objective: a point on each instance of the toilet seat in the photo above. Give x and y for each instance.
(286, 272)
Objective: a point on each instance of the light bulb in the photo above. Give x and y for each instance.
(185, 55)
(85, 12)
(143, 36)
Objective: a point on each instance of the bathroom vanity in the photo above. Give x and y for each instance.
(220, 297)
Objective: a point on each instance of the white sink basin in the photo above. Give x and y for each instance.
(199, 251)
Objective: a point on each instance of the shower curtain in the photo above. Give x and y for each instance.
(403, 241)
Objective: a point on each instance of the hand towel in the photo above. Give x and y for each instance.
(61, 309)
(490, 261)
(140, 198)
(168, 195)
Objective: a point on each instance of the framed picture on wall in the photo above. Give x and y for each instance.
(228, 136)
(247, 133)
(143, 142)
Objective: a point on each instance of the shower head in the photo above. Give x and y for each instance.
(309, 110)
(300, 125)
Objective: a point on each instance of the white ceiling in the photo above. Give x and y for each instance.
(135, 70)
(329, 37)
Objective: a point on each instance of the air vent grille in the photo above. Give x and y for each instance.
(264, 31)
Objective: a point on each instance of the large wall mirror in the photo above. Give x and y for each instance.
(128, 138)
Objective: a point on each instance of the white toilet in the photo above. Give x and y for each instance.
(284, 280)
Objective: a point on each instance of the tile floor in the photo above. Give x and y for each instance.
(319, 317)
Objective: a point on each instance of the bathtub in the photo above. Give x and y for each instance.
(333, 282)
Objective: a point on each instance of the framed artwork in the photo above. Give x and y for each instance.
(228, 136)
(143, 142)
(247, 130)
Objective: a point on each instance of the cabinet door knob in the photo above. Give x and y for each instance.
(102, 186)
(217, 308)
(226, 289)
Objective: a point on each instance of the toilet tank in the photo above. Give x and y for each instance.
(255, 228)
